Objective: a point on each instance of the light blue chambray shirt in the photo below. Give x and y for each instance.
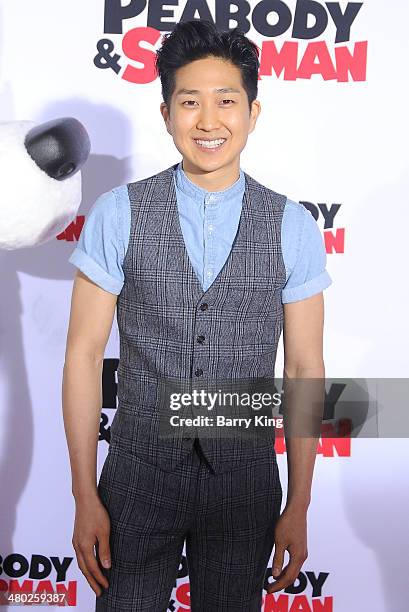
(209, 222)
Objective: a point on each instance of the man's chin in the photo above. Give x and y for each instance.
(202, 165)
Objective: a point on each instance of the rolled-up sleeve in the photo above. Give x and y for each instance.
(304, 254)
(99, 252)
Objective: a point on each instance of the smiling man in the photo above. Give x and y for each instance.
(210, 125)
(206, 267)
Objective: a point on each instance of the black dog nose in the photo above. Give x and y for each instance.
(60, 147)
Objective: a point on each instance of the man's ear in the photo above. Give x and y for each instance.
(254, 113)
(165, 114)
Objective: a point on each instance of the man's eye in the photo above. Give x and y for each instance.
(191, 102)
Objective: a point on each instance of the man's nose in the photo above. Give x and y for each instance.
(209, 118)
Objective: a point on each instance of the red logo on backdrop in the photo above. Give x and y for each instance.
(131, 54)
(334, 237)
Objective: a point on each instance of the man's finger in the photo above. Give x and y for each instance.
(91, 581)
(93, 567)
(278, 559)
(288, 576)
(103, 550)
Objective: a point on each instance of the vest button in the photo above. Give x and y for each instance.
(200, 339)
(199, 372)
(204, 306)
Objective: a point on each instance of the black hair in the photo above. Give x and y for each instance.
(197, 39)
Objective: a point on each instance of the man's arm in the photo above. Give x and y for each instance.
(303, 359)
(92, 312)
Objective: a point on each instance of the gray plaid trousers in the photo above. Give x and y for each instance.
(227, 519)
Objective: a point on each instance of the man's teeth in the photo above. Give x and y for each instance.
(210, 144)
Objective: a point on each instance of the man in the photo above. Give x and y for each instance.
(206, 266)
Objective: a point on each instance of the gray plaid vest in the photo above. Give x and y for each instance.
(170, 327)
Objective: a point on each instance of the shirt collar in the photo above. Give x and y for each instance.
(198, 193)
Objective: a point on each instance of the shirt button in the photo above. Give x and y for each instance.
(210, 227)
(209, 272)
(200, 339)
(204, 306)
(199, 372)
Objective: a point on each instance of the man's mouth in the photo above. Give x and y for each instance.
(210, 144)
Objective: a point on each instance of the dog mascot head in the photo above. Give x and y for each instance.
(40, 179)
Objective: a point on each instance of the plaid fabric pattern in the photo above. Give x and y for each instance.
(162, 309)
(227, 519)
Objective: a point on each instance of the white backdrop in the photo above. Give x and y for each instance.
(318, 141)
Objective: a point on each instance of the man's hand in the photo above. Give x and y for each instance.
(92, 528)
(291, 535)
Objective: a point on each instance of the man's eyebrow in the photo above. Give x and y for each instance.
(196, 91)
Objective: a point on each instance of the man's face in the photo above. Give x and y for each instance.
(199, 112)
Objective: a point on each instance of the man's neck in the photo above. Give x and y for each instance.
(220, 179)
